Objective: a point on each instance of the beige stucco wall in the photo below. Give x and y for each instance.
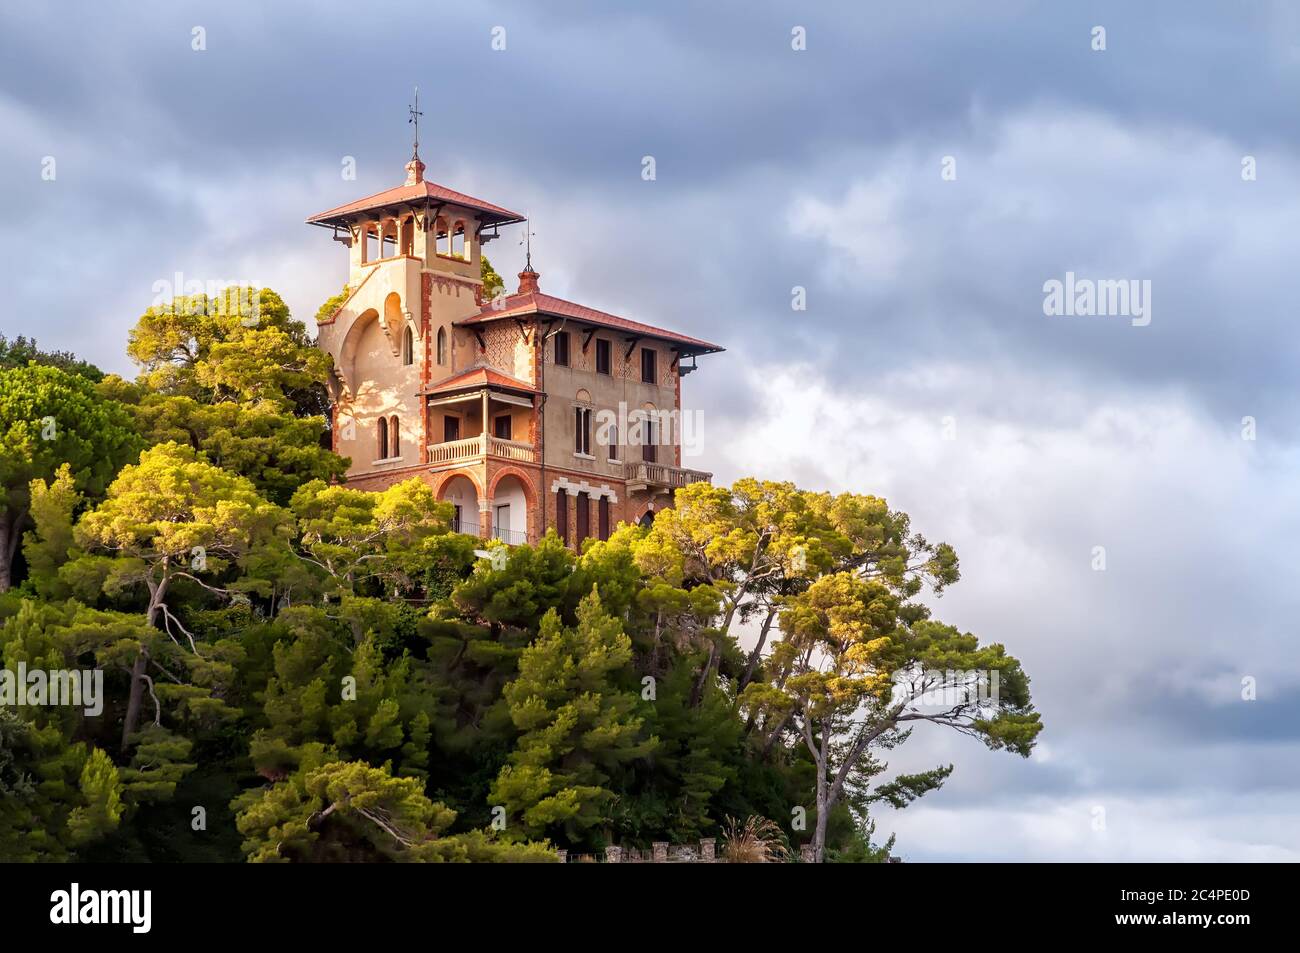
(384, 387)
(622, 384)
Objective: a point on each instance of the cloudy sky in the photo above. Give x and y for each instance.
(923, 368)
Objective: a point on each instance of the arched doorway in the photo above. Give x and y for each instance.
(462, 494)
(510, 511)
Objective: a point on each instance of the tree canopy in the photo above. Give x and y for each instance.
(295, 670)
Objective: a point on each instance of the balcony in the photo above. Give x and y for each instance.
(511, 537)
(660, 476)
(469, 528)
(472, 448)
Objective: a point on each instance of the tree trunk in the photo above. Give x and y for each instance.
(755, 655)
(136, 697)
(697, 693)
(9, 539)
(702, 682)
(823, 812)
(6, 562)
(771, 738)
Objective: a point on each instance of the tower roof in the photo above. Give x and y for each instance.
(419, 191)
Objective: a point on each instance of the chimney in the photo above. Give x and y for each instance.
(528, 281)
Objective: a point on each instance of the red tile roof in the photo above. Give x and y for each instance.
(538, 303)
(419, 192)
(480, 376)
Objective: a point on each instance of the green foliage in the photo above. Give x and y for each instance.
(381, 542)
(338, 677)
(22, 351)
(174, 515)
(577, 728)
(50, 418)
(492, 282)
(262, 440)
(236, 345)
(49, 545)
(332, 304)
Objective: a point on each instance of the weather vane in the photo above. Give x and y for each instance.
(527, 242)
(415, 120)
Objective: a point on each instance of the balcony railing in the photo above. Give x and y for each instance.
(662, 475)
(513, 537)
(464, 526)
(512, 450)
(455, 451)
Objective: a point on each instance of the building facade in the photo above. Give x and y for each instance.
(525, 411)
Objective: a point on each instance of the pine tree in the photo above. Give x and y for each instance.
(577, 727)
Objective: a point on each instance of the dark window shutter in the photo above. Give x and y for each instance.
(584, 517)
(562, 514)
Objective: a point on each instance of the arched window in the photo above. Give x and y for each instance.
(394, 437)
(458, 241)
(408, 347)
(442, 345)
(441, 237)
(383, 439)
(650, 434)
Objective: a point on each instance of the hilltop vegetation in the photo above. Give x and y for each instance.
(299, 671)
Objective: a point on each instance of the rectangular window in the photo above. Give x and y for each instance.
(649, 440)
(604, 517)
(455, 519)
(584, 517)
(501, 530)
(450, 429)
(562, 515)
(582, 430)
(648, 375)
(562, 349)
(501, 427)
(602, 356)
(613, 443)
